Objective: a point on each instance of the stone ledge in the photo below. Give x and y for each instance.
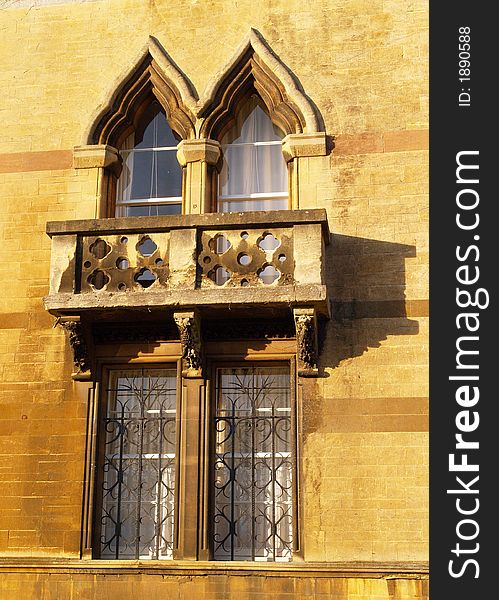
(377, 570)
(268, 296)
(271, 219)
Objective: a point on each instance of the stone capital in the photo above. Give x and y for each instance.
(208, 151)
(296, 145)
(97, 156)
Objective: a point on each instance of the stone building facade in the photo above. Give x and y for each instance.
(213, 389)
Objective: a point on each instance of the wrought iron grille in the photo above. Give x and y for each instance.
(253, 473)
(138, 470)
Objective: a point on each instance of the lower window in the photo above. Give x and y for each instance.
(251, 425)
(253, 465)
(136, 486)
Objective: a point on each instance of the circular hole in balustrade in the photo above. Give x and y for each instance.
(146, 246)
(122, 263)
(145, 277)
(122, 287)
(244, 282)
(268, 242)
(98, 279)
(87, 264)
(219, 244)
(244, 259)
(244, 235)
(159, 261)
(269, 274)
(100, 248)
(281, 257)
(124, 240)
(206, 260)
(219, 275)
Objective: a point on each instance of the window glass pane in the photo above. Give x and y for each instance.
(154, 210)
(156, 174)
(253, 465)
(149, 173)
(157, 134)
(138, 470)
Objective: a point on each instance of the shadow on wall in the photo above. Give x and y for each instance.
(366, 282)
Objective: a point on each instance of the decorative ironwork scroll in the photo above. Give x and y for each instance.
(306, 340)
(252, 471)
(190, 338)
(138, 469)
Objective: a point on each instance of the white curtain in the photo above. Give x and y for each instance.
(124, 191)
(253, 163)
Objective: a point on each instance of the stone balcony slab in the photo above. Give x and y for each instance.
(255, 259)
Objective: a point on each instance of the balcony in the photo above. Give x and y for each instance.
(261, 261)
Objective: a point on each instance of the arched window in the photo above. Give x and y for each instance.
(254, 174)
(151, 181)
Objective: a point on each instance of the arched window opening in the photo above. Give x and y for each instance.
(254, 174)
(151, 181)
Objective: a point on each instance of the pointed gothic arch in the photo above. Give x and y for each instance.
(154, 76)
(256, 69)
(200, 123)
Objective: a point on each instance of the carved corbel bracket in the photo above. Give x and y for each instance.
(189, 326)
(79, 346)
(306, 341)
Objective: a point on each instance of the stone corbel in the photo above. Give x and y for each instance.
(77, 341)
(298, 145)
(306, 341)
(189, 326)
(97, 156)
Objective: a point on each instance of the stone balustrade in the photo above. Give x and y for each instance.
(217, 260)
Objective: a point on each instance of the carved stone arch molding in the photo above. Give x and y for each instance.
(200, 122)
(255, 67)
(154, 74)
